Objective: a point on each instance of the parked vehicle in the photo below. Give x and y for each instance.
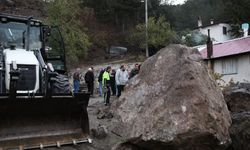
(114, 51)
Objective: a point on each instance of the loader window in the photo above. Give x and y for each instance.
(56, 53)
(12, 32)
(35, 38)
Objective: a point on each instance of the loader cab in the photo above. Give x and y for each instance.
(22, 32)
(30, 34)
(28, 37)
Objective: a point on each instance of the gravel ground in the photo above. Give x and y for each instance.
(97, 120)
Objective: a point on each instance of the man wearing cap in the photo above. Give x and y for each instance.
(89, 80)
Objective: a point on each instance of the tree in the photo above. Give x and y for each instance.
(239, 12)
(159, 34)
(65, 14)
(185, 16)
(121, 13)
(193, 38)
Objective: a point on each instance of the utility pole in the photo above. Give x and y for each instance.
(146, 22)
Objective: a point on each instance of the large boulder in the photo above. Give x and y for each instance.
(240, 131)
(238, 97)
(172, 104)
(238, 101)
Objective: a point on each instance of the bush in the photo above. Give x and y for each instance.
(159, 34)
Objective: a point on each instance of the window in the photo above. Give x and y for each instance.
(13, 32)
(229, 66)
(225, 30)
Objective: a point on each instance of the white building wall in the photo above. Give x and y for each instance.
(243, 69)
(216, 32)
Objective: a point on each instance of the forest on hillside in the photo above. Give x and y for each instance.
(91, 25)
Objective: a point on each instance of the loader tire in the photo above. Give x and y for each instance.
(61, 84)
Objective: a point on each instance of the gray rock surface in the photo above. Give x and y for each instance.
(240, 131)
(172, 104)
(238, 98)
(100, 132)
(238, 101)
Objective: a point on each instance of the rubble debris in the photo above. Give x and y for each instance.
(104, 113)
(100, 132)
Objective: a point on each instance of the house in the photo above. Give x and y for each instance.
(219, 32)
(230, 59)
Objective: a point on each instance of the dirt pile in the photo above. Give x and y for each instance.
(172, 104)
(238, 101)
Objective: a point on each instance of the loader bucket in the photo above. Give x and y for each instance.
(38, 122)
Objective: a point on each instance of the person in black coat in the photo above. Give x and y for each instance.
(112, 82)
(89, 80)
(134, 71)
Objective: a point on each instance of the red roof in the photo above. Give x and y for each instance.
(228, 48)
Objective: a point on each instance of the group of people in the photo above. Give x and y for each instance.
(110, 81)
(89, 78)
(113, 81)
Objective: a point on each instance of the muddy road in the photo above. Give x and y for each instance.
(104, 139)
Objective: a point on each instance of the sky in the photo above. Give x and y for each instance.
(175, 2)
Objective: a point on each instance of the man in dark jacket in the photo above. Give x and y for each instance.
(112, 82)
(134, 71)
(89, 79)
